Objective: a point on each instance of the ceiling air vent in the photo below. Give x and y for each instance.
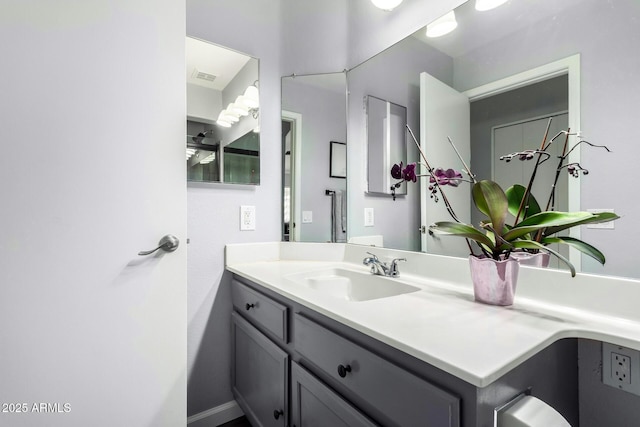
(203, 76)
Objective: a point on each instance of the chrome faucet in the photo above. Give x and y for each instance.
(380, 268)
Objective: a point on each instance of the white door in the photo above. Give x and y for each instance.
(444, 112)
(91, 172)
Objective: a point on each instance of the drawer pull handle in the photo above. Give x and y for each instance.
(343, 370)
(249, 306)
(277, 413)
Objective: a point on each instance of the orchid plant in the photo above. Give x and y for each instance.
(533, 229)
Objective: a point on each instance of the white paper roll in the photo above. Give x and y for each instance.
(531, 412)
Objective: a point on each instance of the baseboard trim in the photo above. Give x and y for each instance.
(215, 416)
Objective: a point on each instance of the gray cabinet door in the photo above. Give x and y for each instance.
(259, 376)
(315, 405)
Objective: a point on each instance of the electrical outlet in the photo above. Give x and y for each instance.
(307, 217)
(247, 218)
(621, 368)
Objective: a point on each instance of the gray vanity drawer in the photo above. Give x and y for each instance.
(392, 395)
(260, 309)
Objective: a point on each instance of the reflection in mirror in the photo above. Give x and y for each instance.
(386, 144)
(313, 120)
(516, 66)
(223, 139)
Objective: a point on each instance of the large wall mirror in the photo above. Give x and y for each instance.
(510, 69)
(223, 130)
(314, 138)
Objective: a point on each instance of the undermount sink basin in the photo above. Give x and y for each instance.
(351, 285)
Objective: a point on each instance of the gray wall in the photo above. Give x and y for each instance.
(323, 120)
(602, 405)
(393, 76)
(213, 210)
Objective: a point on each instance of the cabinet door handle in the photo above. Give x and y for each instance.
(249, 306)
(277, 413)
(343, 370)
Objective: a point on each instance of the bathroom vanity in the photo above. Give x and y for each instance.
(307, 349)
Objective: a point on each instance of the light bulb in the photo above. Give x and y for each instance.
(386, 4)
(222, 120)
(239, 109)
(443, 25)
(251, 97)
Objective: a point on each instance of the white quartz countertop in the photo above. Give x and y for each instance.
(440, 323)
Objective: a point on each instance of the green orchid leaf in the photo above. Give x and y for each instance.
(515, 194)
(491, 201)
(595, 218)
(462, 230)
(544, 220)
(531, 244)
(583, 247)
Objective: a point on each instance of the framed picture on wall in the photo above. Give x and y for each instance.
(338, 160)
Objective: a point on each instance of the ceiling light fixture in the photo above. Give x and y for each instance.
(386, 4)
(483, 5)
(443, 25)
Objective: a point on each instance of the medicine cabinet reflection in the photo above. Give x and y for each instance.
(223, 130)
(386, 143)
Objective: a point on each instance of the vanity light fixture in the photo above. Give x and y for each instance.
(251, 96)
(239, 109)
(443, 25)
(222, 120)
(386, 4)
(210, 158)
(483, 5)
(230, 116)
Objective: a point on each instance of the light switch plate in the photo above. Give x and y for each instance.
(368, 217)
(247, 218)
(603, 225)
(307, 217)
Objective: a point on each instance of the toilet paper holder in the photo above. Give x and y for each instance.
(499, 409)
(525, 410)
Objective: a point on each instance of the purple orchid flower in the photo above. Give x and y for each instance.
(446, 177)
(396, 171)
(409, 173)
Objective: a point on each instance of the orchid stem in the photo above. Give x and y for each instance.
(472, 176)
(435, 182)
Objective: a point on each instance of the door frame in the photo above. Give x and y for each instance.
(569, 66)
(296, 181)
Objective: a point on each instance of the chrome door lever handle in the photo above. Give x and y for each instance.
(168, 243)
